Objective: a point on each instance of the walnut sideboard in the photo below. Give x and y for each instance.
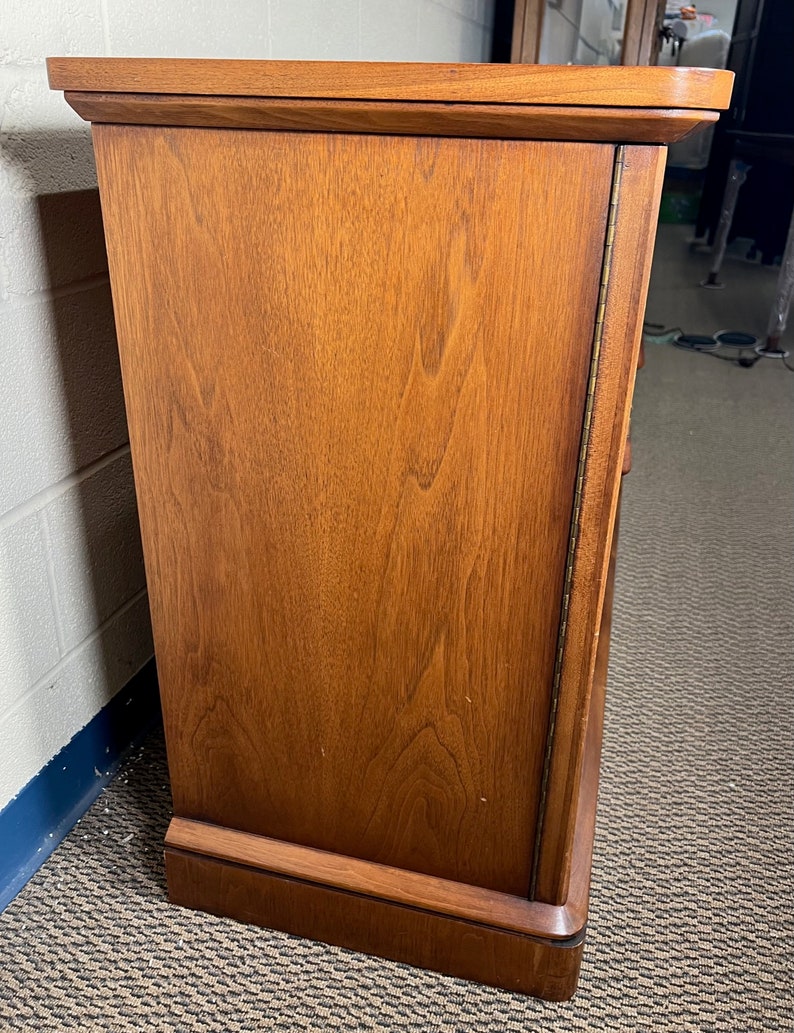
(378, 327)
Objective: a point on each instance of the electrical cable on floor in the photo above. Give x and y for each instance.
(692, 342)
(745, 344)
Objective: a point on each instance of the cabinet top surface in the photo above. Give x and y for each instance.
(585, 86)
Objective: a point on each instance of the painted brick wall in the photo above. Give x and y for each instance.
(73, 609)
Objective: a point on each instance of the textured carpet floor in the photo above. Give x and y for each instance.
(691, 918)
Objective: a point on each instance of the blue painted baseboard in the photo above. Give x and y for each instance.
(36, 821)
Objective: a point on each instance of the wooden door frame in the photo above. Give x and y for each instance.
(640, 37)
(641, 33)
(527, 27)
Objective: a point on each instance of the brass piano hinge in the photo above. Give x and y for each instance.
(598, 332)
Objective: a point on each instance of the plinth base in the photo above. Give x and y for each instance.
(522, 963)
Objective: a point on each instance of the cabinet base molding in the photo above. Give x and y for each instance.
(454, 946)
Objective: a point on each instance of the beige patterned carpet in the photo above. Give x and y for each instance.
(693, 895)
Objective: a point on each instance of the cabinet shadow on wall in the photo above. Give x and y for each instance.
(72, 239)
(95, 545)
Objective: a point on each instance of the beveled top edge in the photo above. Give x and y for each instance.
(577, 85)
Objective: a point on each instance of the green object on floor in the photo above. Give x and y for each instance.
(665, 338)
(679, 208)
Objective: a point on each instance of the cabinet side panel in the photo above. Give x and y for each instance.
(355, 370)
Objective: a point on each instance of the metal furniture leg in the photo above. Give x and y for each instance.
(778, 317)
(737, 174)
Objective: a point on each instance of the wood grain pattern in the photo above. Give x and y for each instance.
(467, 950)
(628, 285)
(503, 121)
(354, 494)
(616, 86)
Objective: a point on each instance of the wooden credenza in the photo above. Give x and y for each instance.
(378, 329)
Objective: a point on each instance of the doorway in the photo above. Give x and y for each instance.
(723, 271)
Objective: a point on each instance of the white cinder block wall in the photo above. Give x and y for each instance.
(74, 621)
